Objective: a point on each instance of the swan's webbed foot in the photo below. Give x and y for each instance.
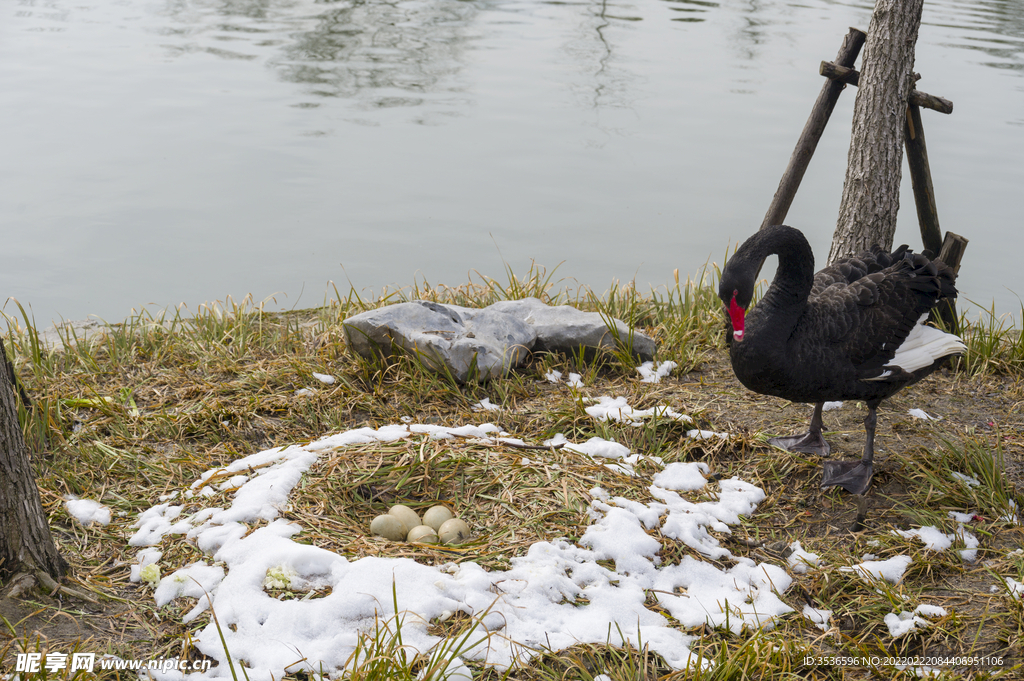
(853, 476)
(809, 443)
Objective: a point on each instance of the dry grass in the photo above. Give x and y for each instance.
(144, 407)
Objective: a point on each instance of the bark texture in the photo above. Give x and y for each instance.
(871, 192)
(25, 540)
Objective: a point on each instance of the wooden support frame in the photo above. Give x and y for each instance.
(850, 76)
(840, 73)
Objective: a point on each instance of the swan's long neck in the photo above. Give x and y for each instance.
(795, 275)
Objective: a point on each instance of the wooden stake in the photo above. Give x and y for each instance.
(921, 179)
(812, 131)
(951, 253)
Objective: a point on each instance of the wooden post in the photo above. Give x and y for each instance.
(921, 179)
(951, 253)
(815, 126)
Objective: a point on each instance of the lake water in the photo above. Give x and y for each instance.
(168, 151)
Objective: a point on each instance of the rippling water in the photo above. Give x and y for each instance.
(162, 151)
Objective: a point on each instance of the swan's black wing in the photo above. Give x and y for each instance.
(851, 269)
(865, 306)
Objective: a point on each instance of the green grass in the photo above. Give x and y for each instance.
(994, 345)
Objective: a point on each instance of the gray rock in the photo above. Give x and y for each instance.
(444, 337)
(450, 338)
(563, 328)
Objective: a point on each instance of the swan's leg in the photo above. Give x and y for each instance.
(855, 476)
(810, 442)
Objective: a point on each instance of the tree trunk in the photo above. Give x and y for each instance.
(871, 192)
(25, 541)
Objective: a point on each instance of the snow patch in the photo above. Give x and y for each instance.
(820, 618)
(653, 373)
(486, 405)
(801, 561)
(87, 511)
(906, 622)
(618, 409)
(891, 570)
(933, 538)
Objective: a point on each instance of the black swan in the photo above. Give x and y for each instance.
(853, 331)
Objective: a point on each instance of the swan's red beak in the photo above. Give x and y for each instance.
(736, 315)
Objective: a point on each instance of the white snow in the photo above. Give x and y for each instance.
(154, 523)
(933, 538)
(486, 405)
(556, 441)
(801, 561)
(829, 406)
(1011, 516)
(905, 622)
(968, 480)
(930, 610)
(820, 618)
(573, 381)
(442, 669)
(599, 448)
(890, 570)
(554, 596)
(87, 511)
(683, 476)
(618, 409)
(921, 414)
(326, 379)
(653, 373)
(970, 551)
(706, 434)
(1015, 588)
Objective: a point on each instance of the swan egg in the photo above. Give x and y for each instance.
(454, 531)
(389, 527)
(436, 516)
(423, 533)
(408, 516)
